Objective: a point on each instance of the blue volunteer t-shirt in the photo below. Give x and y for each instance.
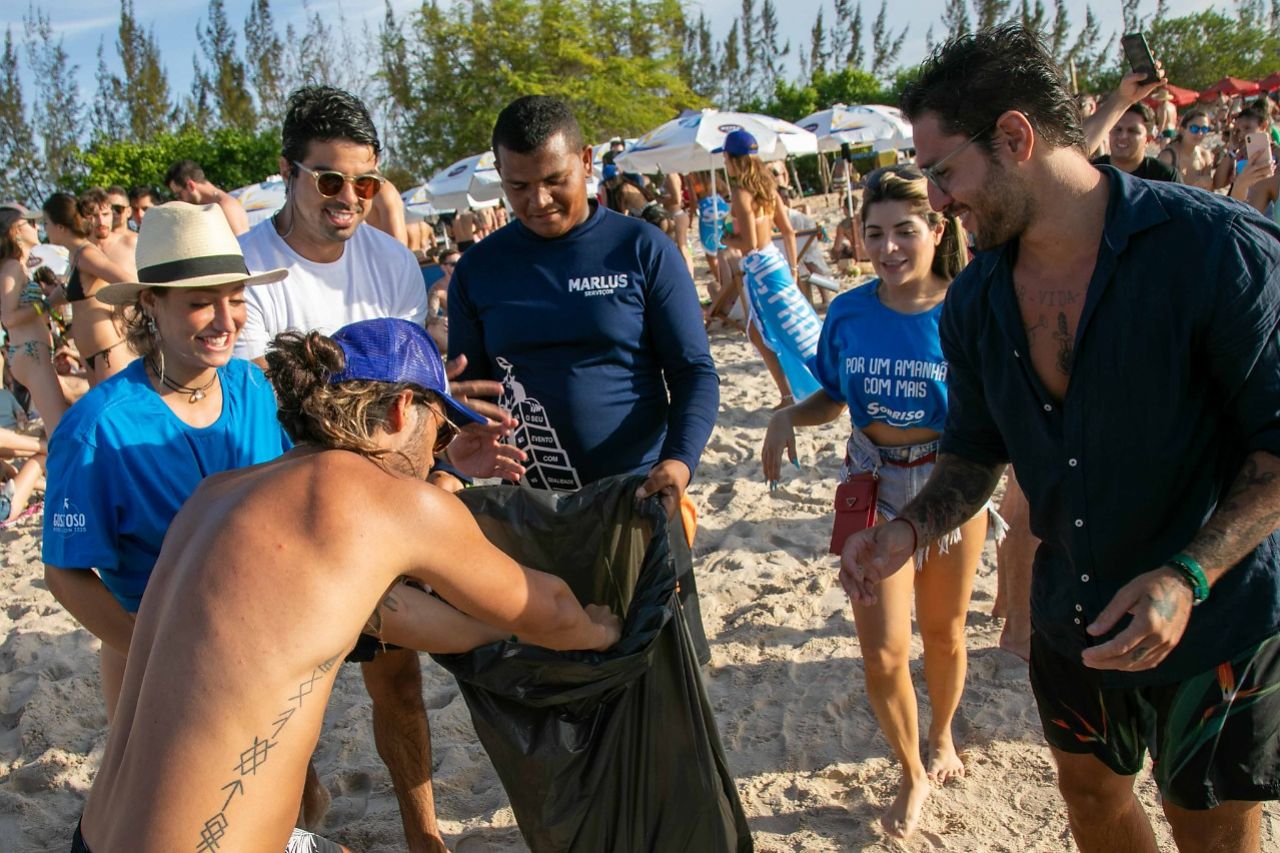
(885, 365)
(588, 332)
(121, 464)
(712, 213)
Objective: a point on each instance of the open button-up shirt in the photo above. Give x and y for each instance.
(1175, 380)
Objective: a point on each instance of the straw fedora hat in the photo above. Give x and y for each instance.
(186, 245)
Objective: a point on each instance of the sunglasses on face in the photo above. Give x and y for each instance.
(330, 183)
(1199, 129)
(446, 430)
(118, 209)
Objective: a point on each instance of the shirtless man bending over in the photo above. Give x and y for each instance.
(265, 581)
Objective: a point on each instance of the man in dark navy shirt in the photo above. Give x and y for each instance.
(591, 322)
(1117, 341)
(588, 318)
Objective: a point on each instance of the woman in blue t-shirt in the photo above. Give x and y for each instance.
(880, 355)
(131, 451)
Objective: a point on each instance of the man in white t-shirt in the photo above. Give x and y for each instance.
(341, 271)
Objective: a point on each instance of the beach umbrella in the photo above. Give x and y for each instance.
(1181, 97)
(685, 144)
(260, 201)
(416, 201)
(1270, 83)
(883, 128)
(471, 182)
(1230, 86)
(48, 255)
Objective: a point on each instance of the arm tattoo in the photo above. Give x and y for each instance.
(956, 490)
(1247, 513)
(214, 830)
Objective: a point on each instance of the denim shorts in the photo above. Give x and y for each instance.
(901, 477)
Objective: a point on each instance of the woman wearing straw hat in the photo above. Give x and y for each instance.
(132, 450)
(95, 328)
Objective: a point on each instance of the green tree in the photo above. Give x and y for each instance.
(465, 63)
(857, 55)
(265, 52)
(841, 32)
(955, 17)
(1199, 49)
(885, 45)
(1033, 17)
(58, 113)
(21, 177)
(771, 55)
(223, 77)
(231, 157)
(988, 13)
(107, 114)
(143, 88)
(819, 52)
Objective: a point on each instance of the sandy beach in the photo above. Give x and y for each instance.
(785, 680)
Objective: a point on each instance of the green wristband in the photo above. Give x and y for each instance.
(1194, 575)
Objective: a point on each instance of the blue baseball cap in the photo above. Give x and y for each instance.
(609, 171)
(738, 143)
(393, 350)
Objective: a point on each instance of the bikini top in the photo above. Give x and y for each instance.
(74, 288)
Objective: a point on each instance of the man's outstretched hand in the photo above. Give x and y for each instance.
(469, 394)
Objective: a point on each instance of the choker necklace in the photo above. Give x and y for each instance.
(197, 394)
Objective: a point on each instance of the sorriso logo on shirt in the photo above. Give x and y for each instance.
(69, 520)
(599, 285)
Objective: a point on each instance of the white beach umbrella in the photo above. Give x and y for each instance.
(416, 201)
(685, 144)
(883, 128)
(471, 182)
(261, 200)
(48, 255)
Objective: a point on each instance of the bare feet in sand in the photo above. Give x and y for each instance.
(901, 818)
(944, 764)
(1016, 642)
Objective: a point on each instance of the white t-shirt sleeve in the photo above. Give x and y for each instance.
(414, 290)
(253, 339)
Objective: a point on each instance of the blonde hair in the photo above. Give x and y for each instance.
(905, 183)
(753, 177)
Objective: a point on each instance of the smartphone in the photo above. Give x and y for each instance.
(1256, 143)
(1138, 53)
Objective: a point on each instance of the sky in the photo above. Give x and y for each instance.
(83, 23)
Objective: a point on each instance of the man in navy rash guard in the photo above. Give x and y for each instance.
(588, 318)
(591, 322)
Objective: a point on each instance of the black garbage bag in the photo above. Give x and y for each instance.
(613, 752)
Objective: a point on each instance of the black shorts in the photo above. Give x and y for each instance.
(367, 646)
(1213, 737)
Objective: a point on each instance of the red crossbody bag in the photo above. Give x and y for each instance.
(855, 508)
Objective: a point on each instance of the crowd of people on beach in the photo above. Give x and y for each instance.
(1084, 290)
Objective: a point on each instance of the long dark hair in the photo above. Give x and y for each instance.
(64, 209)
